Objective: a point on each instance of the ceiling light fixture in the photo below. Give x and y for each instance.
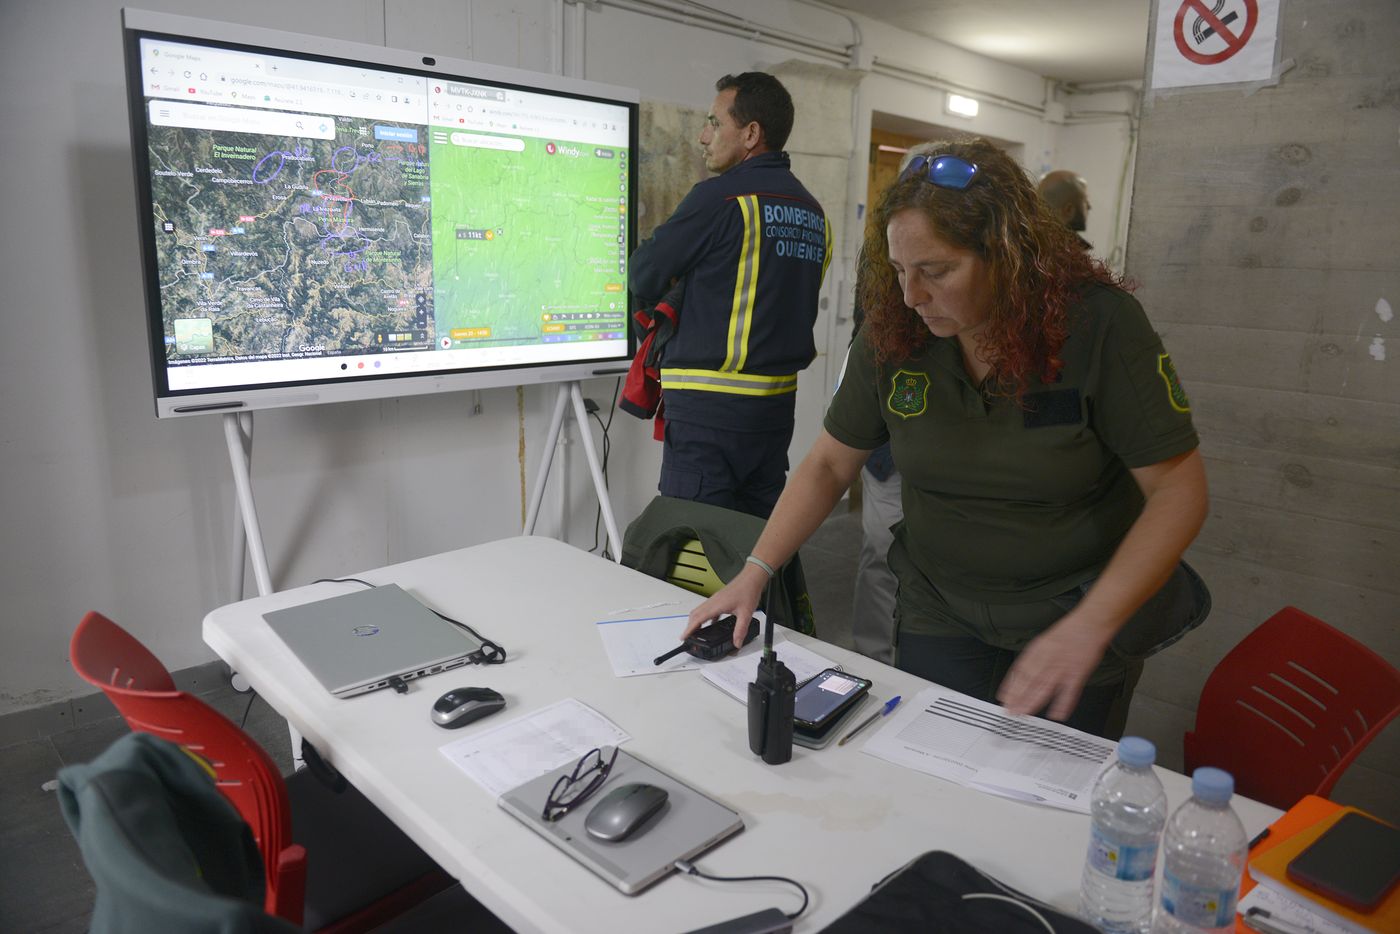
(961, 106)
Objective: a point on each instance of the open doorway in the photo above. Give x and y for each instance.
(891, 136)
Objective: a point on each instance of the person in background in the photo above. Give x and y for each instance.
(881, 509)
(750, 248)
(1067, 194)
(1051, 475)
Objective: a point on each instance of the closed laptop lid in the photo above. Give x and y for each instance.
(687, 825)
(358, 642)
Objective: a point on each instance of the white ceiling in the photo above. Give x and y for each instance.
(1075, 41)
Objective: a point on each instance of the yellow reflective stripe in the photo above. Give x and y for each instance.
(741, 384)
(745, 291)
(734, 377)
(755, 223)
(826, 261)
(731, 390)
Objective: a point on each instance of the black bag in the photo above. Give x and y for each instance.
(1178, 606)
(938, 893)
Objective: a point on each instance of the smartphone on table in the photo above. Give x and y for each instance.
(825, 698)
(1356, 862)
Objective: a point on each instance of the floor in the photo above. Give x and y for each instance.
(44, 887)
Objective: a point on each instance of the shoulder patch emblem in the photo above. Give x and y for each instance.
(1176, 395)
(908, 393)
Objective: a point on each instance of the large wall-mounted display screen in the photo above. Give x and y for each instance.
(323, 221)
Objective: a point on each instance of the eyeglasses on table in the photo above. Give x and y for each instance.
(576, 787)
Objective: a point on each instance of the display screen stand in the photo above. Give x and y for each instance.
(570, 391)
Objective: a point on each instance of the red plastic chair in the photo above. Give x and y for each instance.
(1288, 709)
(136, 682)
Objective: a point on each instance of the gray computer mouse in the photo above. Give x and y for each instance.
(461, 706)
(619, 813)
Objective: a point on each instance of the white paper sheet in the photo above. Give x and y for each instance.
(977, 744)
(512, 753)
(1290, 911)
(733, 674)
(633, 644)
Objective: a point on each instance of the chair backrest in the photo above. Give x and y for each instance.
(1288, 709)
(656, 541)
(692, 570)
(166, 850)
(143, 691)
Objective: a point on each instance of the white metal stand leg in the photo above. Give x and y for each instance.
(238, 555)
(238, 433)
(570, 391)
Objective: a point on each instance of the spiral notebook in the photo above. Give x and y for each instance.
(733, 674)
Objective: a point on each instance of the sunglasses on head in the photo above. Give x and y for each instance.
(945, 171)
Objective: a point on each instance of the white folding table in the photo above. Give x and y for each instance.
(835, 819)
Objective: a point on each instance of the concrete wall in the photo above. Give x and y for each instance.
(1265, 232)
(106, 508)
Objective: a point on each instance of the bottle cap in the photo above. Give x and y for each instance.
(1136, 751)
(1213, 786)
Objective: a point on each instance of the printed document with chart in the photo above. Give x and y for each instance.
(980, 745)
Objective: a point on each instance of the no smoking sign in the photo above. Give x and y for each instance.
(1207, 33)
(1214, 41)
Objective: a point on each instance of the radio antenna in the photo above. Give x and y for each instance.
(768, 620)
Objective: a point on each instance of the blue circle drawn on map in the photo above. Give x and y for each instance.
(336, 160)
(281, 161)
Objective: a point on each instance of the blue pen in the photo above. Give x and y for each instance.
(883, 711)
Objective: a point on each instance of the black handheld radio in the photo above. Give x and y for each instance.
(771, 699)
(709, 643)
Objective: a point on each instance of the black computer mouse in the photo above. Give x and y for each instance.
(619, 813)
(461, 706)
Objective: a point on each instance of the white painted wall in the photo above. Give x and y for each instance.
(103, 507)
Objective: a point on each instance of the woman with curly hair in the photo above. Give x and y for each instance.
(1051, 478)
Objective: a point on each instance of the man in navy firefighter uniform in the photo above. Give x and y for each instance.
(749, 248)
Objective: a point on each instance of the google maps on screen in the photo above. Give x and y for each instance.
(313, 218)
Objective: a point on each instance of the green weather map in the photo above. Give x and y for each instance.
(517, 233)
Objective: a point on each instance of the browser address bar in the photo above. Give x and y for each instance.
(241, 120)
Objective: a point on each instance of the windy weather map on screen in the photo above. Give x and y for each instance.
(318, 222)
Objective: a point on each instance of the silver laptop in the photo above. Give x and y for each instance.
(688, 824)
(370, 639)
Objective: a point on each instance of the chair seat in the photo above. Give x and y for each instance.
(354, 854)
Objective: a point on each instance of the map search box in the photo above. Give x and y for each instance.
(240, 120)
(508, 144)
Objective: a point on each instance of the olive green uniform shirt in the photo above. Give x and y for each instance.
(1008, 503)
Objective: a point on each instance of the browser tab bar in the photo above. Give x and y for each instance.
(475, 92)
(193, 73)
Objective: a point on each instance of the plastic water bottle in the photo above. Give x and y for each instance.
(1128, 808)
(1204, 854)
